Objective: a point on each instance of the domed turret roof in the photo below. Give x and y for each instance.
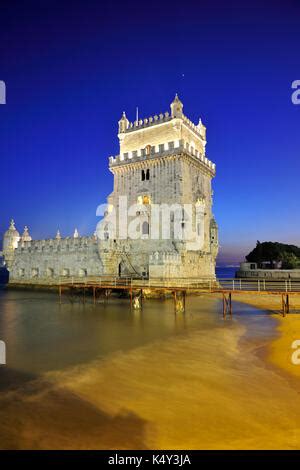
(11, 237)
(26, 235)
(12, 231)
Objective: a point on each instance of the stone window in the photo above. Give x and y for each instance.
(21, 272)
(146, 175)
(35, 272)
(82, 272)
(65, 272)
(147, 149)
(145, 228)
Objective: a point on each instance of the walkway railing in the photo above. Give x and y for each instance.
(258, 285)
(261, 285)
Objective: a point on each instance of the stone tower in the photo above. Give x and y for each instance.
(161, 169)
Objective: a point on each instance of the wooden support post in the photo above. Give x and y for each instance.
(227, 304)
(59, 291)
(179, 299)
(131, 297)
(285, 304)
(136, 299)
(84, 295)
(94, 295)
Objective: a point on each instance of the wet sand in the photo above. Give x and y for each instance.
(280, 350)
(205, 388)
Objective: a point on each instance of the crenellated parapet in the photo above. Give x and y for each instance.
(198, 129)
(68, 244)
(169, 148)
(146, 122)
(126, 126)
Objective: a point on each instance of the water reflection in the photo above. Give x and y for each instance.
(103, 376)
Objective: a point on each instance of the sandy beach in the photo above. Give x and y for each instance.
(280, 349)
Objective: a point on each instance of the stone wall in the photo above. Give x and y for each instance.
(51, 259)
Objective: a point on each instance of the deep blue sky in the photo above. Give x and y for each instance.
(71, 68)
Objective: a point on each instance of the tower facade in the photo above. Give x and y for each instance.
(159, 220)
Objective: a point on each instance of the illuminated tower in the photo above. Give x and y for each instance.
(162, 161)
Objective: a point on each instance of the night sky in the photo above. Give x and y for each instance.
(71, 68)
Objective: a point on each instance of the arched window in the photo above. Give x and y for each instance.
(148, 149)
(148, 174)
(145, 228)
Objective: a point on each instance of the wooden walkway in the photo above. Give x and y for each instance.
(179, 288)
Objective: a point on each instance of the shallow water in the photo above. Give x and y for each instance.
(85, 376)
(41, 335)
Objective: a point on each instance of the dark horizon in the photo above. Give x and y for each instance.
(71, 71)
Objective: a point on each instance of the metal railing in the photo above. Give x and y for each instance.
(260, 285)
(234, 285)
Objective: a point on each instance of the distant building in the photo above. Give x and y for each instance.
(266, 270)
(162, 166)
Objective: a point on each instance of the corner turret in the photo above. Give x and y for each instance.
(176, 107)
(26, 235)
(10, 243)
(123, 123)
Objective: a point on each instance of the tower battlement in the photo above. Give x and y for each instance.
(150, 153)
(131, 126)
(54, 244)
(161, 129)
